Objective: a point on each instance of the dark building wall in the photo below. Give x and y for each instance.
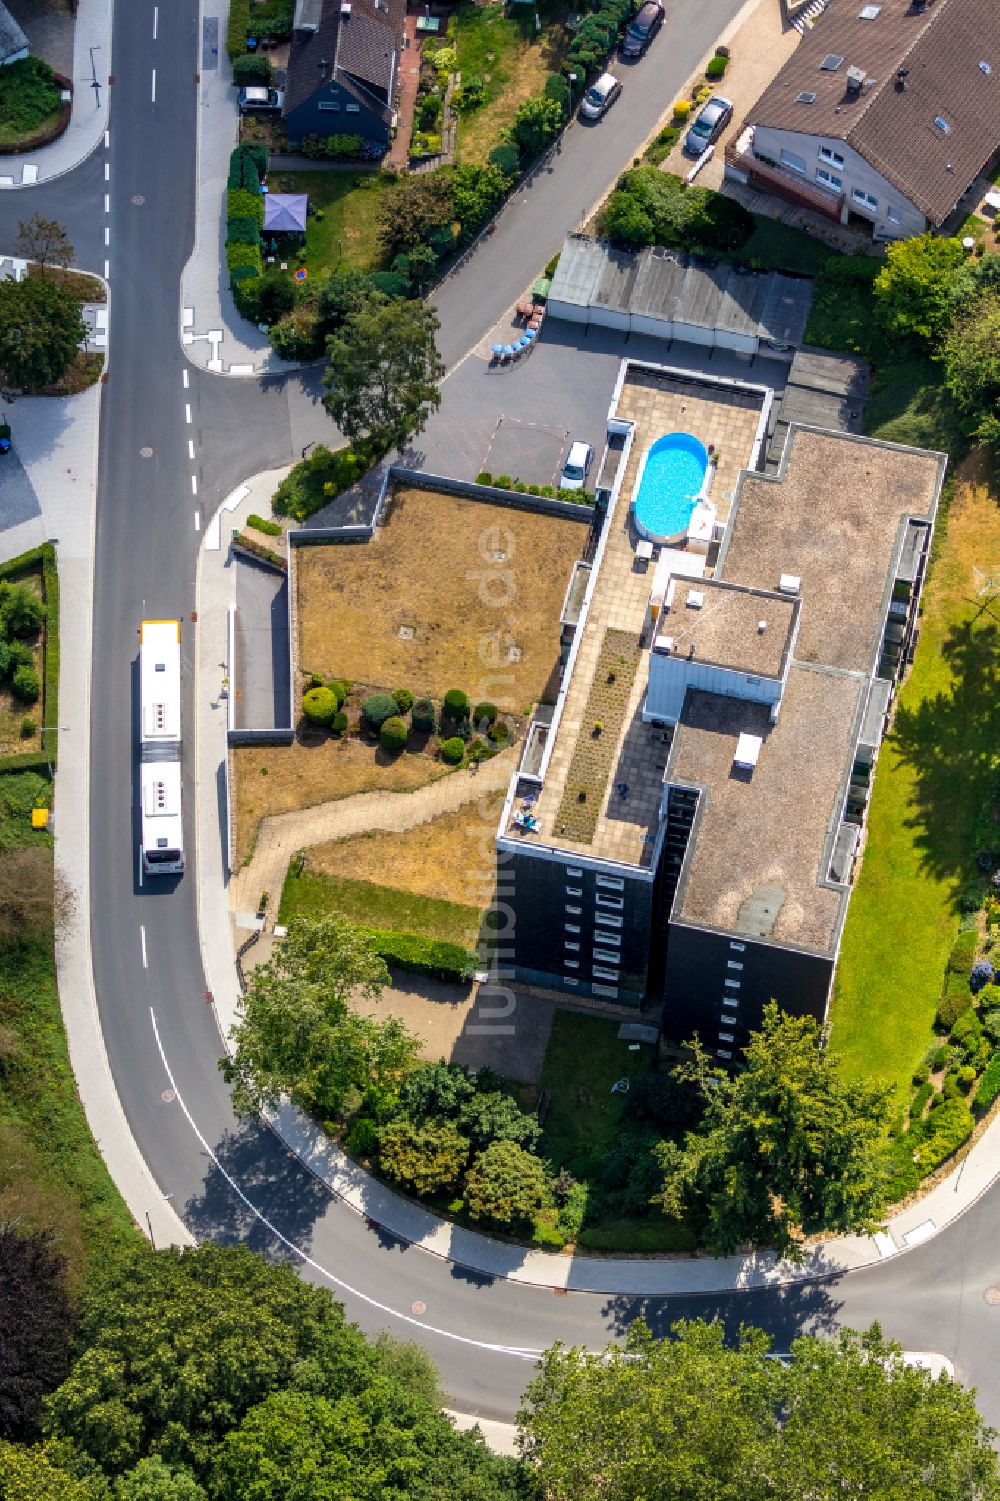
(310, 120)
(546, 908)
(699, 964)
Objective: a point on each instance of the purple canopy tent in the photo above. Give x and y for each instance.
(285, 213)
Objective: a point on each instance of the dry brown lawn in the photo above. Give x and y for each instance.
(450, 593)
(479, 132)
(452, 858)
(271, 779)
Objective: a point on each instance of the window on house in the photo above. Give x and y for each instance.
(739, 947)
(574, 911)
(329, 106)
(570, 980)
(726, 1036)
(612, 882)
(606, 974)
(572, 946)
(610, 901)
(571, 927)
(732, 1001)
(606, 920)
(605, 956)
(733, 984)
(723, 1053)
(860, 196)
(833, 158)
(574, 870)
(572, 963)
(793, 162)
(611, 991)
(354, 109)
(893, 216)
(734, 964)
(829, 179)
(601, 937)
(574, 891)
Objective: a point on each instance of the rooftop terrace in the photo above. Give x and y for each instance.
(720, 623)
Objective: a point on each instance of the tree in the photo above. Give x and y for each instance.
(179, 1345)
(914, 289)
(298, 1034)
(21, 611)
(788, 1147)
(494, 1116)
(153, 1480)
(45, 242)
(971, 354)
(537, 122)
(343, 293)
(37, 1318)
(36, 1474)
(437, 1089)
(382, 373)
(506, 1185)
(427, 1157)
(697, 1419)
(478, 192)
(41, 331)
(412, 207)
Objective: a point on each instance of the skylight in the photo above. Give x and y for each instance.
(806, 98)
(831, 62)
(942, 125)
(869, 12)
(984, 67)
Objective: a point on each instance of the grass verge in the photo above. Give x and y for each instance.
(312, 894)
(584, 1058)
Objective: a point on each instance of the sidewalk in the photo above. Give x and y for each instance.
(50, 495)
(407, 1220)
(89, 119)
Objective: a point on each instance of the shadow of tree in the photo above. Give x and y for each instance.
(785, 1312)
(951, 742)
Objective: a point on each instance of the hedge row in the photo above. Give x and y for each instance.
(261, 550)
(245, 212)
(337, 147)
(423, 956)
(43, 557)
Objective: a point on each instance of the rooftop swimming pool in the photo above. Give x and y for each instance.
(672, 478)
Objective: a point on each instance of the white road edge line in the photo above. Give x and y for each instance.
(154, 85)
(354, 1292)
(142, 934)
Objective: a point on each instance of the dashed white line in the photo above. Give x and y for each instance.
(107, 171)
(107, 235)
(154, 85)
(197, 521)
(107, 203)
(107, 139)
(194, 485)
(184, 378)
(156, 20)
(142, 934)
(107, 270)
(190, 448)
(187, 411)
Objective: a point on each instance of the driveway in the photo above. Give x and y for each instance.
(262, 678)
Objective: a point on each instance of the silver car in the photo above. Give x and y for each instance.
(600, 97)
(709, 124)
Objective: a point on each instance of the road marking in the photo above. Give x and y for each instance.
(107, 203)
(194, 485)
(107, 235)
(197, 521)
(187, 411)
(107, 171)
(190, 448)
(154, 85)
(142, 934)
(107, 270)
(107, 139)
(156, 20)
(184, 378)
(517, 1352)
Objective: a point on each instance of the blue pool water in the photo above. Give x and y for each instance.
(672, 478)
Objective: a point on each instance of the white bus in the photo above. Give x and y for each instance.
(160, 747)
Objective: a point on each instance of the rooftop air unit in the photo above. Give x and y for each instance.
(789, 583)
(747, 752)
(855, 78)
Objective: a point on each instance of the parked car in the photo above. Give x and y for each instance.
(709, 124)
(258, 99)
(642, 28)
(577, 466)
(600, 96)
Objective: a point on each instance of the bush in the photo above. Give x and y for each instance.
(377, 708)
(30, 95)
(484, 711)
(506, 158)
(966, 1076)
(390, 284)
(29, 727)
(717, 67)
(338, 687)
(503, 482)
(456, 705)
(242, 230)
(423, 716)
(428, 111)
(426, 1157)
(498, 732)
(682, 108)
(241, 203)
(980, 975)
(991, 1021)
(919, 1101)
(452, 750)
(404, 700)
(238, 256)
(966, 1028)
(25, 684)
(319, 706)
(21, 611)
(506, 1185)
(951, 1007)
(921, 1074)
(270, 529)
(963, 953)
(393, 735)
(423, 956)
(254, 68)
(362, 1139)
(948, 1127)
(941, 1058)
(338, 723)
(989, 1085)
(484, 477)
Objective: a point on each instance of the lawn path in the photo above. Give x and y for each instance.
(280, 836)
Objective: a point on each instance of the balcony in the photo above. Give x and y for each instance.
(767, 177)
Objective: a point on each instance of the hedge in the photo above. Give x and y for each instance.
(963, 952)
(337, 146)
(423, 956)
(251, 68)
(989, 1084)
(262, 551)
(242, 229)
(28, 562)
(247, 167)
(244, 203)
(261, 524)
(948, 1127)
(238, 256)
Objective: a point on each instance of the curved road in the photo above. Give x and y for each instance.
(233, 1180)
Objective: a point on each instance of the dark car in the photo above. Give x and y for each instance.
(642, 28)
(711, 121)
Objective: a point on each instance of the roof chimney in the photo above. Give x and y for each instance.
(761, 627)
(855, 78)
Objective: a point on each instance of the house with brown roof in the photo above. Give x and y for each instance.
(343, 69)
(884, 114)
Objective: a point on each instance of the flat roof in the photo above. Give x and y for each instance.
(762, 840)
(721, 623)
(833, 516)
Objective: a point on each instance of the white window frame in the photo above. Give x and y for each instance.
(727, 1036)
(606, 920)
(574, 891)
(613, 883)
(733, 984)
(609, 990)
(723, 1053)
(793, 161)
(866, 199)
(573, 911)
(571, 964)
(829, 179)
(602, 937)
(610, 901)
(605, 956)
(734, 964)
(353, 109)
(732, 1001)
(574, 870)
(831, 157)
(738, 947)
(571, 927)
(329, 106)
(574, 948)
(893, 215)
(570, 980)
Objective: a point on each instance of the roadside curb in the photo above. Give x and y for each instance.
(414, 1225)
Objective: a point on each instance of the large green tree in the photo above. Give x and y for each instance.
(41, 331)
(414, 208)
(298, 1033)
(787, 1147)
(506, 1185)
(915, 289)
(37, 1317)
(971, 354)
(424, 1155)
(693, 1418)
(383, 371)
(37, 1473)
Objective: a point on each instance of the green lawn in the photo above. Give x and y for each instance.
(313, 894)
(344, 239)
(582, 1061)
(506, 51)
(933, 799)
(774, 246)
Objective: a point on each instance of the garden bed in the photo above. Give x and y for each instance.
(32, 705)
(341, 237)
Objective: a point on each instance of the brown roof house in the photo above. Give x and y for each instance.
(343, 69)
(884, 114)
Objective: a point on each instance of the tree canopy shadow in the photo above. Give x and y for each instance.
(785, 1312)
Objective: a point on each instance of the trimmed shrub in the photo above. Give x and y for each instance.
(390, 283)
(423, 715)
(242, 230)
(404, 700)
(393, 735)
(717, 66)
(963, 953)
(423, 956)
(502, 482)
(980, 975)
(377, 708)
(254, 68)
(941, 1058)
(484, 477)
(456, 705)
(989, 1085)
(338, 723)
(242, 203)
(338, 687)
(506, 158)
(25, 684)
(319, 706)
(951, 1007)
(238, 256)
(452, 750)
(21, 612)
(921, 1074)
(967, 1026)
(682, 109)
(484, 711)
(966, 1076)
(362, 1139)
(950, 1125)
(29, 727)
(270, 529)
(919, 1101)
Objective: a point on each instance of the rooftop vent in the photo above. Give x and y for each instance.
(747, 752)
(902, 74)
(831, 62)
(345, 7)
(942, 125)
(985, 68)
(868, 12)
(761, 627)
(805, 98)
(855, 78)
(789, 583)
(695, 599)
(663, 646)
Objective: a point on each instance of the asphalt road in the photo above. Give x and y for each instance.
(231, 1180)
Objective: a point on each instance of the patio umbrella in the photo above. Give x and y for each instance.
(507, 351)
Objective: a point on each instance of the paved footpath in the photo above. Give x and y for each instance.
(401, 1217)
(88, 122)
